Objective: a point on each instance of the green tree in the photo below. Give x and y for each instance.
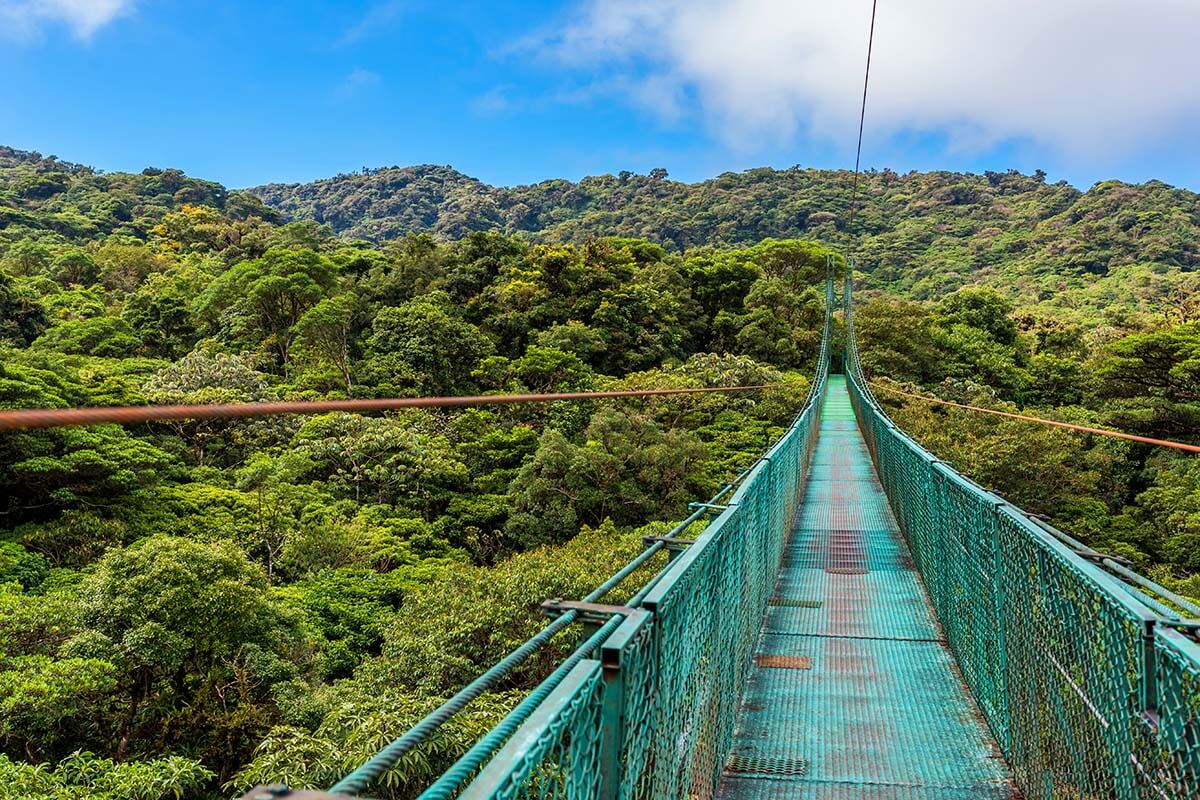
(984, 309)
(1150, 382)
(545, 369)
(424, 346)
(44, 472)
(208, 376)
(780, 326)
(324, 332)
(281, 507)
(74, 539)
(109, 337)
(124, 262)
(797, 263)
(1172, 504)
(629, 469)
(74, 267)
(719, 282)
(21, 566)
(186, 624)
(641, 325)
(42, 698)
(269, 295)
(159, 311)
(27, 257)
(349, 609)
(897, 339)
(382, 460)
(1163, 363)
(414, 264)
(476, 260)
(84, 776)
(22, 315)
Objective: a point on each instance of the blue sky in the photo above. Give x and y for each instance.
(513, 92)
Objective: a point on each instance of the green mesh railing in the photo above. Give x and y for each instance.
(653, 715)
(1090, 685)
(645, 707)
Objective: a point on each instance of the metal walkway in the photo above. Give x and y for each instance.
(854, 693)
(792, 649)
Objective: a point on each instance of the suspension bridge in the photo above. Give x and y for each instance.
(855, 620)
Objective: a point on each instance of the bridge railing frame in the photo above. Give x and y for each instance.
(1089, 689)
(653, 716)
(645, 706)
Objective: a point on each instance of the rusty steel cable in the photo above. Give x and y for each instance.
(1191, 448)
(26, 418)
(862, 119)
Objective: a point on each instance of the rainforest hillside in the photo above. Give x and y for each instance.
(924, 233)
(187, 609)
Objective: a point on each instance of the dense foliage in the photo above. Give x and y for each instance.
(975, 347)
(922, 233)
(188, 608)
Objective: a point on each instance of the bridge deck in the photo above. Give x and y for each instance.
(854, 693)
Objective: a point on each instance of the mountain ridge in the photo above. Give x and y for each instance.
(921, 233)
(924, 232)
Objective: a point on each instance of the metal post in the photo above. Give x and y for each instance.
(616, 684)
(1149, 687)
(612, 722)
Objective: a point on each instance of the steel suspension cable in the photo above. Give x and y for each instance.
(24, 418)
(1191, 448)
(370, 771)
(862, 118)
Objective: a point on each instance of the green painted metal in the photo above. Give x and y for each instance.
(871, 704)
(562, 765)
(671, 679)
(451, 781)
(1087, 689)
(856, 620)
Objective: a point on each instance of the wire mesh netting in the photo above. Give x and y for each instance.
(1089, 692)
(653, 716)
(563, 759)
(1170, 758)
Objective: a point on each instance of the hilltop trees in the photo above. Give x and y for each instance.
(188, 603)
(924, 233)
(263, 299)
(174, 594)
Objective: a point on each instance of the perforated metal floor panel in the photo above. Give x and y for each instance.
(875, 708)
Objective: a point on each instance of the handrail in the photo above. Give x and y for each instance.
(657, 590)
(1083, 669)
(370, 771)
(1121, 571)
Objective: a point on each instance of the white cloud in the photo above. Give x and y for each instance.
(24, 18)
(378, 17)
(357, 82)
(496, 100)
(1089, 77)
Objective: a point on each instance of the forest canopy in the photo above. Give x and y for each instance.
(187, 608)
